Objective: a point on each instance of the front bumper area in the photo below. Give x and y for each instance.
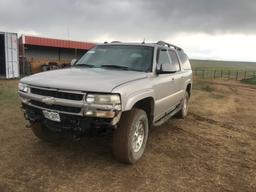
(70, 107)
(71, 123)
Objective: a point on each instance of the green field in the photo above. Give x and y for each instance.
(224, 70)
(251, 81)
(223, 65)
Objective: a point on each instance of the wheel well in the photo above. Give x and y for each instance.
(188, 89)
(147, 105)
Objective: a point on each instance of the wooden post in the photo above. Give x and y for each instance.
(221, 74)
(245, 75)
(214, 74)
(203, 74)
(237, 75)
(76, 53)
(228, 75)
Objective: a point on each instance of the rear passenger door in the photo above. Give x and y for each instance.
(178, 76)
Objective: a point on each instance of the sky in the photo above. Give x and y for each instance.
(206, 29)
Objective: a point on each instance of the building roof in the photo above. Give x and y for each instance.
(49, 42)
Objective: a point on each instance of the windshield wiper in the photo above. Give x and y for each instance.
(116, 67)
(83, 65)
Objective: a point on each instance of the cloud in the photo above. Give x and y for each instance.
(219, 47)
(128, 20)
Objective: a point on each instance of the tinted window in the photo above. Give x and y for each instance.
(175, 60)
(163, 57)
(184, 60)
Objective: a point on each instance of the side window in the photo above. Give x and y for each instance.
(184, 60)
(175, 60)
(163, 57)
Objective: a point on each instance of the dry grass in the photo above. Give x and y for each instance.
(214, 149)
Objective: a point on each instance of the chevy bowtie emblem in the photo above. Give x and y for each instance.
(49, 100)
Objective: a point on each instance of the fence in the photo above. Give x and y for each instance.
(223, 74)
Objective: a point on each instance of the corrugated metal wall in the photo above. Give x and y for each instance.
(37, 51)
(9, 65)
(36, 56)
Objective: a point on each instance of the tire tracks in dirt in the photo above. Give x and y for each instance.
(248, 87)
(226, 125)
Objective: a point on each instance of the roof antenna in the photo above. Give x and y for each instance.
(143, 42)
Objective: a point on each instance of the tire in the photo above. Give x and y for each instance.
(125, 136)
(43, 133)
(184, 107)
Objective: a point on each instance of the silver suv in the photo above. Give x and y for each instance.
(124, 88)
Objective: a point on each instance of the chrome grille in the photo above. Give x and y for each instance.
(56, 107)
(57, 94)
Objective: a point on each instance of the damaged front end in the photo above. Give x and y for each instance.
(70, 111)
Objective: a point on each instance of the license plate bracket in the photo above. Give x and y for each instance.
(51, 115)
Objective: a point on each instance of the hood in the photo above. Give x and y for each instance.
(83, 79)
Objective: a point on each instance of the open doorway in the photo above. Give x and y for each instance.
(2, 56)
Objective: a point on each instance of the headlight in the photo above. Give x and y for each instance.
(103, 99)
(23, 87)
(103, 105)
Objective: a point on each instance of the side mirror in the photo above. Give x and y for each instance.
(73, 62)
(166, 68)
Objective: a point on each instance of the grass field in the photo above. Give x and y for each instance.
(213, 149)
(223, 65)
(251, 81)
(224, 70)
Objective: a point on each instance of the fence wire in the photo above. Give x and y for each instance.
(223, 74)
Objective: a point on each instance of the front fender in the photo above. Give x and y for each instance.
(137, 96)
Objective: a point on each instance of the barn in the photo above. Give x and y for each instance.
(38, 54)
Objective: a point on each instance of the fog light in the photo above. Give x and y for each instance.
(89, 113)
(102, 114)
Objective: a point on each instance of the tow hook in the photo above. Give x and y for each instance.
(28, 125)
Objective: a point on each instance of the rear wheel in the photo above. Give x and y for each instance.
(130, 137)
(184, 107)
(44, 133)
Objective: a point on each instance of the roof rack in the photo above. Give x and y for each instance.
(169, 45)
(116, 42)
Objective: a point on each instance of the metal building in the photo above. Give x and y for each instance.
(9, 65)
(39, 54)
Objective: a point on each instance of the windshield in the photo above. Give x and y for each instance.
(121, 57)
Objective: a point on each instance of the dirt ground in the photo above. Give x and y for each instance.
(213, 149)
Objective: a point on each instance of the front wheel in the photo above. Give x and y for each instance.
(130, 137)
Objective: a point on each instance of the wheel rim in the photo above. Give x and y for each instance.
(185, 106)
(138, 136)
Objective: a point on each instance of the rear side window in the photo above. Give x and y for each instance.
(175, 60)
(163, 57)
(184, 60)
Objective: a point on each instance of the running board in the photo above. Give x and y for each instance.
(165, 118)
